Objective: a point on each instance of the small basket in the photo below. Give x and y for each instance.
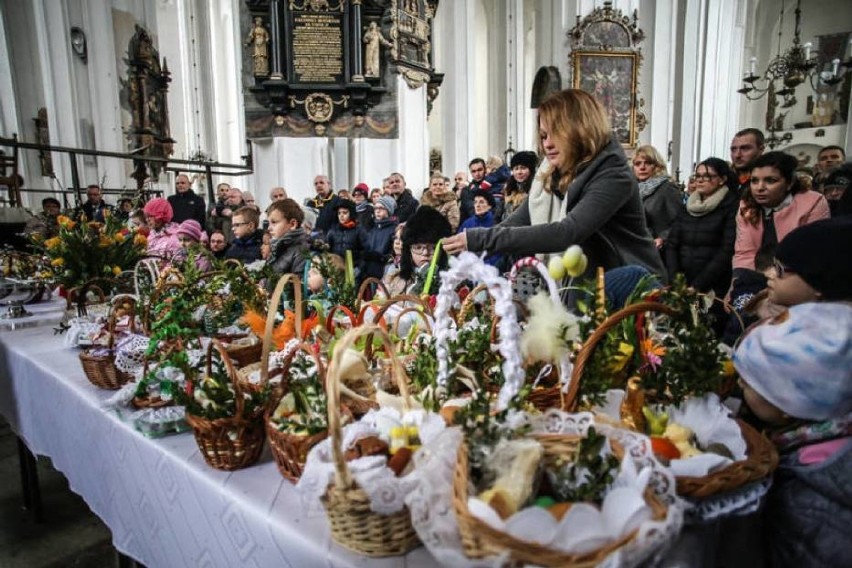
(234, 442)
(100, 369)
(354, 524)
(480, 540)
(242, 354)
(291, 450)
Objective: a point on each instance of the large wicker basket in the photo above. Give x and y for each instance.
(761, 456)
(480, 540)
(353, 523)
(100, 369)
(234, 442)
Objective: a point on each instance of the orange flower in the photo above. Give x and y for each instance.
(65, 222)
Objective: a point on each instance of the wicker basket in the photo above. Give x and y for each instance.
(100, 369)
(234, 442)
(761, 456)
(481, 540)
(353, 523)
(241, 354)
(265, 346)
(291, 450)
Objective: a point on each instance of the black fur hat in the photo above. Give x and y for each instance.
(348, 205)
(526, 158)
(426, 226)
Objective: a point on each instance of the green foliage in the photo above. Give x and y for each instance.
(214, 396)
(589, 476)
(306, 398)
(339, 291)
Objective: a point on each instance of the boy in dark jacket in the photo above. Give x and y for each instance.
(247, 237)
(289, 241)
(377, 242)
(344, 235)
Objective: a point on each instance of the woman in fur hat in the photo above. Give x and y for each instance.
(583, 194)
(518, 186)
(419, 237)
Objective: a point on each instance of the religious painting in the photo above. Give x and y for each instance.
(611, 78)
(605, 61)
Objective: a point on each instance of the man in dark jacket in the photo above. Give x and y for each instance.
(95, 206)
(186, 204)
(406, 203)
(477, 182)
(325, 204)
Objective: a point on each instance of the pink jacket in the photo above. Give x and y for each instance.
(807, 207)
(164, 243)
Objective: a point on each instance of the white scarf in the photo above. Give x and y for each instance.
(544, 206)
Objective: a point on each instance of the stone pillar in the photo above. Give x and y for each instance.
(357, 47)
(275, 30)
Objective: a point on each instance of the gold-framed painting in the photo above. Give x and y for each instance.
(612, 78)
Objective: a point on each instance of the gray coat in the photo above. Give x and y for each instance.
(661, 208)
(287, 254)
(604, 216)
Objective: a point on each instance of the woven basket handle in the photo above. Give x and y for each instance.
(412, 310)
(533, 262)
(272, 310)
(78, 295)
(470, 266)
(112, 320)
(469, 302)
(329, 317)
(343, 477)
(239, 399)
(569, 402)
(421, 305)
(365, 285)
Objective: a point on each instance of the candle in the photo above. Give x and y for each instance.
(753, 65)
(808, 47)
(835, 63)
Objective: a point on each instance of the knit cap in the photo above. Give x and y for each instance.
(801, 362)
(528, 159)
(816, 252)
(361, 188)
(388, 203)
(190, 228)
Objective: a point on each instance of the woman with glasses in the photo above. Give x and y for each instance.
(661, 197)
(701, 240)
(584, 193)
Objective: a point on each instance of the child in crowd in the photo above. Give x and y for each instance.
(393, 263)
(137, 222)
(796, 373)
(289, 241)
(483, 217)
(192, 241)
(377, 242)
(245, 246)
(419, 238)
(345, 235)
(265, 245)
(319, 294)
(162, 238)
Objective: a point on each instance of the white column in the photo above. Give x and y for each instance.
(690, 87)
(516, 98)
(454, 52)
(8, 108)
(412, 154)
(498, 66)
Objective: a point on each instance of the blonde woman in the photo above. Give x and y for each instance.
(584, 193)
(441, 198)
(661, 197)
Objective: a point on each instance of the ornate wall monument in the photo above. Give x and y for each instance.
(326, 67)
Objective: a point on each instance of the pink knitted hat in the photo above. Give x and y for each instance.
(190, 228)
(159, 209)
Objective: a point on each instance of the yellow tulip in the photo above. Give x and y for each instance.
(58, 261)
(140, 240)
(119, 238)
(52, 243)
(105, 241)
(116, 270)
(65, 222)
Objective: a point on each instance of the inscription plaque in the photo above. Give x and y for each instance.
(318, 53)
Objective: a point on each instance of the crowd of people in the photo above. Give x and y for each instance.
(762, 233)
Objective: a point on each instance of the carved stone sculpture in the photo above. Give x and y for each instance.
(259, 39)
(374, 41)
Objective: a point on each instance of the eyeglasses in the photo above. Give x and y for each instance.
(240, 224)
(704, 177)
(422, 250)
(780, 269)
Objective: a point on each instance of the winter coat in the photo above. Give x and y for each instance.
(807, 207)
(188, 205)
(326, 212)
(364, 214)
(482, 221)
(702, 247)
(466, 198)
(164, 243)
(600, 211)
(446, 205)
(406, 205)
(341, 239)
(809, 511)
(246, 249)
(287, 254)
(94, 213)
(661, 208)
(377, 247)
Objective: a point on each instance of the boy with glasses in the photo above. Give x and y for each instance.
(248, 239)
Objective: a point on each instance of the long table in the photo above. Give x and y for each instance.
(164, 505)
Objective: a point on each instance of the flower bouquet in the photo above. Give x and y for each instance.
(87, 250)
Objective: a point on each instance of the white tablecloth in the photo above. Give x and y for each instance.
(165, 506)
